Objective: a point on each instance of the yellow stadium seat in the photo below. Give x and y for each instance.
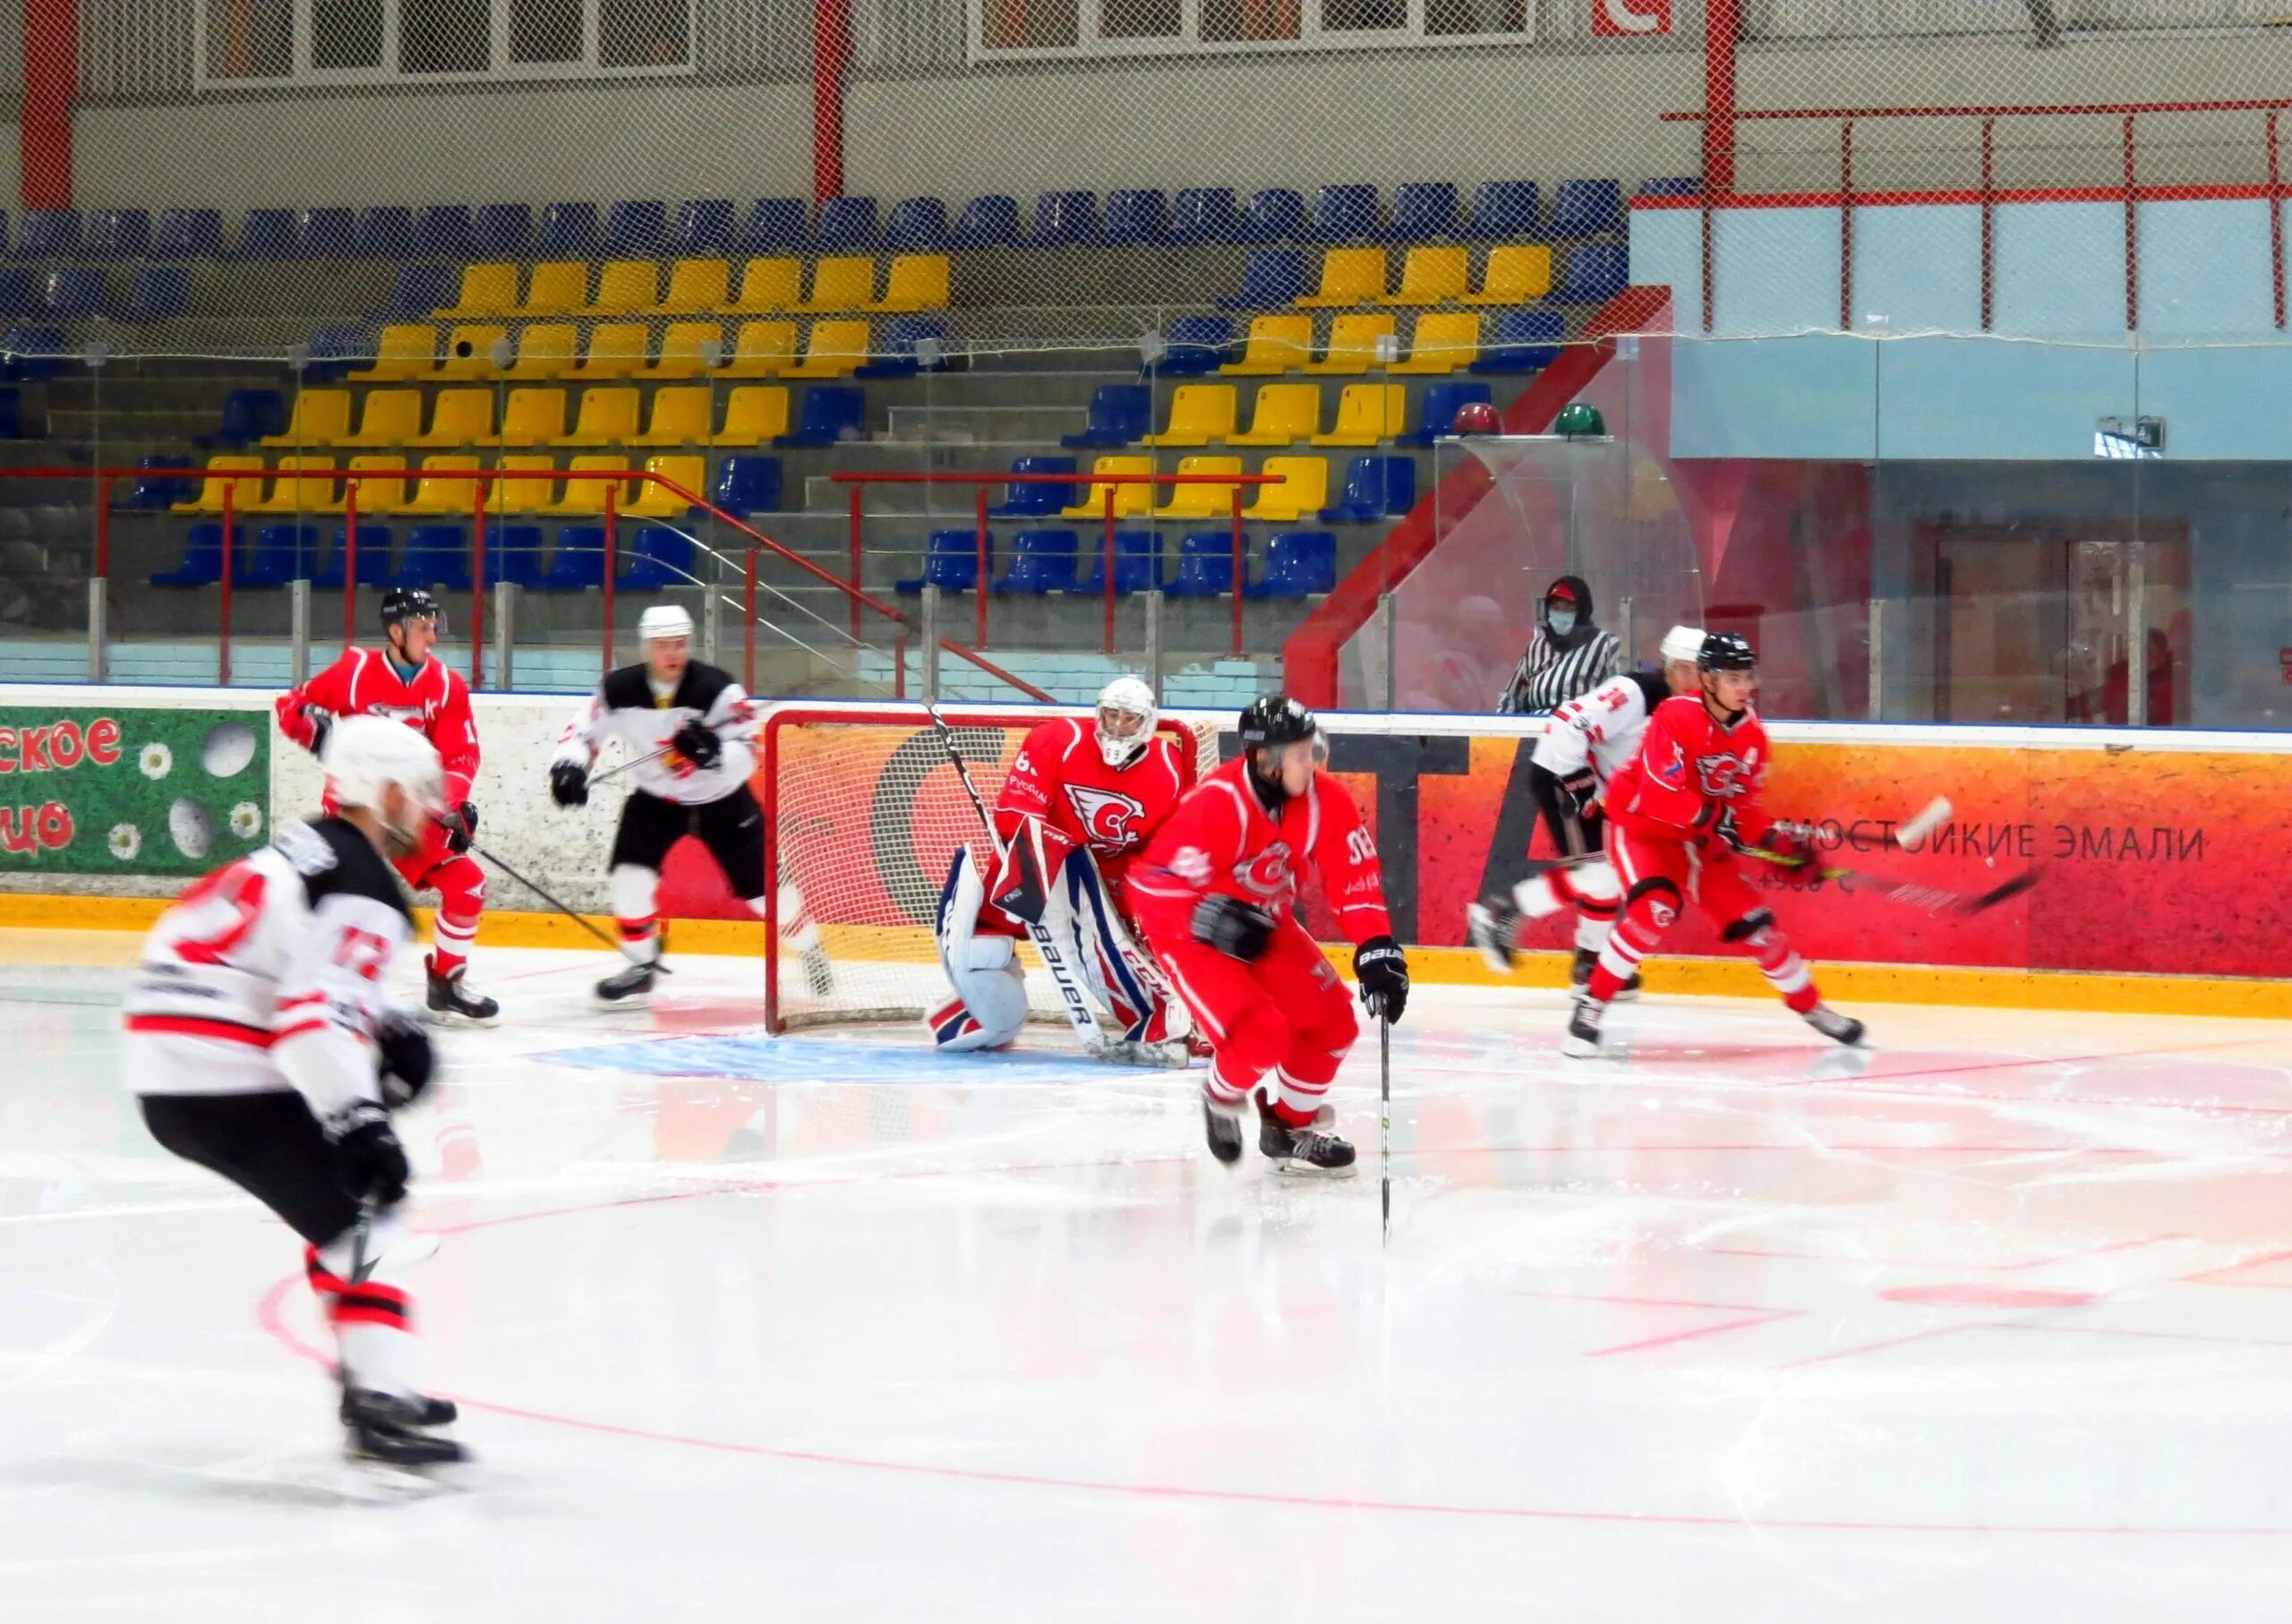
(391, 417)
(292, 494)
(533, 416)
(1282, 415)
(1368, 415)
(915, 282)
(695, 285)
(608, 417)
(753, 415)
(1130, 501)
(557, 287)
(1349, 276)
(435, 493)
(376, 495)
(404, 352)
(1303, 493)
(1353, 345)
(834, 349)
(244, 490)
(469, 350)
(762, 349)
(523, 495)
(842, 283)
(585, 498)
(546, 350)
(656, 501)
(1432, 276)
(487, 290)
(1201, 501)
(1514, 274)
(685, 347)
(766, 284)
(1444, 341)
(1201, 415)
(1276, 344)
(680, 418)
(625, 286)
(321, 417)
(461, 418)
(616, 349)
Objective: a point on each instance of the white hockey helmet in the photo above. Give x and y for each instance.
(1127, 717)
(663, 620)
(365, 754)
(1682, 643)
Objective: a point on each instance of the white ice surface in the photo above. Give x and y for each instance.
(1995, 1323)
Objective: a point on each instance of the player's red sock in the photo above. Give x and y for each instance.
(444, 961)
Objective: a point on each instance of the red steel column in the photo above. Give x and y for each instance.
(1846, 225)
(350, 562)
(2275, 218)
(1722, 22)
(2132, 237)
(51, 80)
(831, 59)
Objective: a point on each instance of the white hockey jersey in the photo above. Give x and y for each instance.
(272, 973)
(1602, 727)
(624, 707)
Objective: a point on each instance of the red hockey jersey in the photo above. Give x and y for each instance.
(362, 683)
(1060, 780)
(1691, 768)
(1221, 839)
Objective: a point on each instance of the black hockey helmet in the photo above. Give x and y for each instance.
(1725, 650)
(1277, 719)
(403, 603)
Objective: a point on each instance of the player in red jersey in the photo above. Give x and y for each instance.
(1081, 799)
(1679, 815)
(404, 683)
(1216, 892)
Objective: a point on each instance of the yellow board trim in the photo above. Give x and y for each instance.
(1845, 984)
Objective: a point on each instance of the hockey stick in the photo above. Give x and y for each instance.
(628, 767)
(1385, 1125)
(620, 947)
(1933, 899)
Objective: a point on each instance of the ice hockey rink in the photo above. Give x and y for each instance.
(1993, 1322)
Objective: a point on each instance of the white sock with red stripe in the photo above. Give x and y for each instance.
(373, 1317)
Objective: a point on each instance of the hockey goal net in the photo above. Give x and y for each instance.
(863, 814)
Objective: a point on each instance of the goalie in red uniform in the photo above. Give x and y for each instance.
(405, 684)
(1081, 800)
(1217, 891)
(1680, 817)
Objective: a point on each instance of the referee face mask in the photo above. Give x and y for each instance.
(1563, 621)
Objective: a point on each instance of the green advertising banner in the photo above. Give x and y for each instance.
(131, 791)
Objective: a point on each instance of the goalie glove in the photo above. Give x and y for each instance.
(1032, 855)
(1232, 926)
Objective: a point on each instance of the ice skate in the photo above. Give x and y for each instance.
(448, 998)
(1494, 927)
(1222, 1123)
(1583, 1040)
(1310, 1148)
(1579, 975)
(392, 1430)
(1831, 1024)
(422, 1410)
(635, 982)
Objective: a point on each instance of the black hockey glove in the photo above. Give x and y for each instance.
(372, 1161)
(321, 724)
(406, 1060)
(568, 784)
(1579, 793)
(1382, 972)
(461, 827)
(698, 745)
(1232, 926)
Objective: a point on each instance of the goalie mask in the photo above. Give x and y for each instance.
(1126, 723)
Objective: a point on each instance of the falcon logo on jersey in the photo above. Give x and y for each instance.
(1268, 873)
(1726, 777)
(1110, 822)
(1661, 914)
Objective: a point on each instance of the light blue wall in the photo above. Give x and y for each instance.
(1902, 283)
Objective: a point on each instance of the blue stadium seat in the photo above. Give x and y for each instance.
(189, 233)
(1137, 563)
(513, 554)
(326, 234)
(1120, 415)
(748, 485)
(279, 555)
(446, 230)
(636, 230)
(1524, 341)
(34, 350)
(156, 292)
(1424, 212)
(579, 562)
(1275, 214)
(437, 556)
(1205, 214)
(161, 481)
(1195, 345)
(335, 350)
(705, 227)
(1137, 217)
(386, 234)
(267, 234)
(373, 558)
(847, 224)
(568, 231)
(505, 231)
(658, 559)
(1375, 488)
(894, 344)
(1345, 214)
(832, 413)
(1205, 565)
(1437, 414)
(951, 562)
(1298, 564)
(1041, 561)
(988, 222)
(1503, 209)
(1670, 185)
(777, 225)
(416, 290)
(203, 556)
(1030, 500)
(119, 234)
(917, 225)
(1275, 279)
(48, 234)
(1596, 272)
(17, 296)
(248, 415)
(74, 290)
(1586, 208)
(1064, 219)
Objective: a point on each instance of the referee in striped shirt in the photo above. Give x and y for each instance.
(1567, 655)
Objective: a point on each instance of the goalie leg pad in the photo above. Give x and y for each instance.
(1104, 950)
(989, 1007)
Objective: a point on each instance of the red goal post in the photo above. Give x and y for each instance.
(863, 814)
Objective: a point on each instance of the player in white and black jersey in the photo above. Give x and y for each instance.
(1589, 740)
(691, 732)
(266, 1045)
